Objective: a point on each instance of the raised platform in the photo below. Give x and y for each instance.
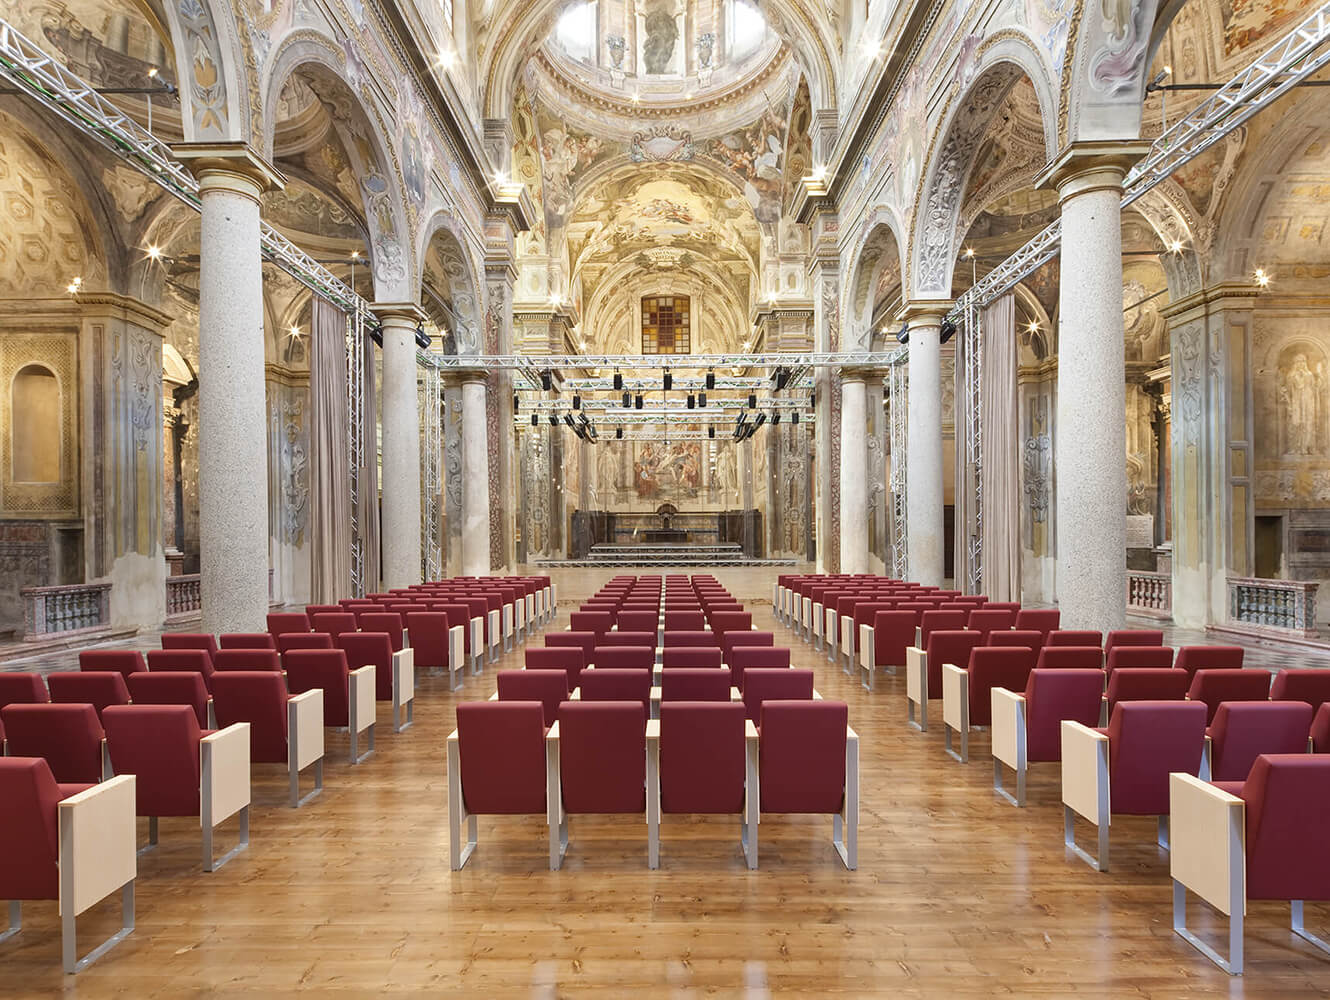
(666, 555)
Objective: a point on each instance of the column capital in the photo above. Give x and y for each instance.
(924, 312)
(232, 166)
(398, 313)
(1093, 165)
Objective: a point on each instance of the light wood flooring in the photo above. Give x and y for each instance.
(957, 894)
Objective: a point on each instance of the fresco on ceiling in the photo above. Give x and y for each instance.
(1049, 21)
(1247, 22)
(754, 153)
(799, 143)
(565, 153)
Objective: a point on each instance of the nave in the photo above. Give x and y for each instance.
(956, 892)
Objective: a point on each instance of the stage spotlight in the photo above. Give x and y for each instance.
(618, 381)
(794, 417)
(547, 380)
(702, 399)
(517, 403)
(668, 381)
(627, 400)
(535, 420)
(775, 417)
(618, 433)
(752, 401)
(711, 432)
(637, 401)
(903, 334)
(947, 332)
(568, 419)
(554, 420)
(692, 401)
(577, 401)
(761, 419)
(711, 380)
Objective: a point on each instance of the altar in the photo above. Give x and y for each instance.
(664, 536)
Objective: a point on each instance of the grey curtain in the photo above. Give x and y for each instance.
(1000, 453)
(964, 489)
(330, 482)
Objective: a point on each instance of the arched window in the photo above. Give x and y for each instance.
(576, 31)
(35, 421)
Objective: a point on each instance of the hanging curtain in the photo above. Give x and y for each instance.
(330, 483)
(963, 492)
(1000, 453)
(369, 473)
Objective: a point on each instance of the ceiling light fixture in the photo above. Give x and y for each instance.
(154, 252)
(1262, 277)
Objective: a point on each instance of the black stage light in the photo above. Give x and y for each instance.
(761, 419)
(554, 420)
(422, 338)
(711, 432)
(577, 401)
(775, 417)
(711, 380)
(947, 332)
(535, 420)
(547, 380)
(692, 401)
(702, 399)
(618, 433)
(637, 401)
(812, 399)
(618, 381)
(568, 419)
(627, 400)
(668, 381)
(903, 334)
(794, 417)
(752, 401)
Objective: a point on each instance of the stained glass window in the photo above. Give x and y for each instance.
(665, 324)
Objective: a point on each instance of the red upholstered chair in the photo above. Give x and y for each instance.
(690, 637)
(585, 641)
(386, 621)
(69, 737)
(1042, 620)
(936, 620)
(598, 622)
(615, 685)
(745, 637)
(731, 621)
(97, 688)
(173, 687)
(597, 763)
(348, 695)
(282, 622)
(74, 843)
(967, 691)
(701, 758)
(1128, 657)
(570, 659)
(694, 684)
(1031, 639)
(1243, 730)
(1194, 658)
(122, 661)
(1144, 684)
(394, 673)
(439, 644)
(1073, 657)
(334, 622)
(923, 669)
(473, 631)
(763, 684)
(884, 644)
(638, 621)
(808, 762)
(1311, 685)
(247, 659)
(190, 640)
(743, 658)
(989, 619)
(627, 639)
(549, 687)
(181, 770)
(176, 660)
(22, 688)
(1271, 828)
(314, 609)
(1124, 770)
(496, 766)
(1027, 726)
(1320, 736)
(246, 640)
(284, 728)
(690, 656)
(302, 640)
(1133, 637)
(625, 657)
(1215, 686)
(1075, 637)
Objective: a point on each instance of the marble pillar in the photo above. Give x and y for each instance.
(233, 452)
(1091, 444)
(853, 473)
(475, 478)
(401, 446)
(925, 543)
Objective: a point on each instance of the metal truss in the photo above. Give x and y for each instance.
(682, 383)
(972, 348)
(612, 407)
(431, 460)
(355, 458)
(898, 409)
(642, 418)
(535, 363)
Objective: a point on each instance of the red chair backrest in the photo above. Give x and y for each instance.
(1073, 657)
(429, 637)
(743, 658)
(893, 633)
(701, 757)
(22, 688)
(1031, 639)
(365, 648)
(68, 736)
(1216, 686)
(995, 666)
(691, 637)
(159, 745)
(1052, 696)
(259, 698)
(122, 661)
(1309, 684)
(246, 659)
(602, 756)
(694, 684)
(1243, 730)
(1287, 814)
(388, 622)
(570, 659)
(627, 639)
(949, 646)
(731, 621)
(684, 621)
(1146, 684)
(1138, 656)
(1133, 637)
(302, 640)
(940, 621)
(246, 640)
(745, 637)
(98, 689)
(178, 660)
(625, 657)
(1321, 729)
(501, 746)
(1042, 620)
(638, 621)
(334, 622)
(307, 669)
(30, 834)
(591, 621)
(1075, 637)
(690, 656)
(313, 609)
(763, 684)
(549, 687)
(282, 622)
(1147, 740)
(171, 687)
(585, 641)
(1194, 658)
(801, 756)
(988, 619)
(616, 685)
(190, 640)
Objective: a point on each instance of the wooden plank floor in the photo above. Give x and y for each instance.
(957, 894)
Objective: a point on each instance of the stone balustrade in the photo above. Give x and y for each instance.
(1280, 607)
(64, 610)
(1149, 594)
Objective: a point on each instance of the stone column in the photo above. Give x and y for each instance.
(853, 472)
(475, 478)
(233, 453)
(925, 542)
(401, 445)
(1091, 393)
(825, 280)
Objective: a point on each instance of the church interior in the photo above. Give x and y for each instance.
(417, 415)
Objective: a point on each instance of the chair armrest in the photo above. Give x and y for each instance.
(553, 734)
(360, 693)
(1206, 841)
(404, 675)
(225, 766)
(867, 647)
(304, 724)
(916, 674)
(456, 649)
(1008, 730)
(98, 849)
(737, 695)
(817, 695)
(1085, 771)
(956, 697)
(653, 729)
(494, 696)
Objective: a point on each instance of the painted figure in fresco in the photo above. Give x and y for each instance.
(662, 35)
(1301, 394)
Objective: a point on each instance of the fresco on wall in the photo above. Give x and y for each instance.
(1247, 22)
(664, 469)
(1290, 392)
(754, 153)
